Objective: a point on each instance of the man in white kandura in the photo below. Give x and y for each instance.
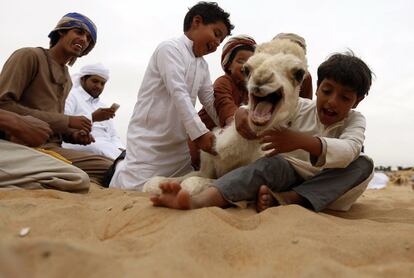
(84, 100)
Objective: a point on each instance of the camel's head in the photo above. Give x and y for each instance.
(274, 76)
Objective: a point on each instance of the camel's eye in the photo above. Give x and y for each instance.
(298, 74)
(245, 70)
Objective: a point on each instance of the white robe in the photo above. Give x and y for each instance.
(164, 115)
(107, 142)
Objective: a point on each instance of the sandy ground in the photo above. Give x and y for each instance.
(112, 233)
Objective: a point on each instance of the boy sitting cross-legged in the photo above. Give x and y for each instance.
(315, 163)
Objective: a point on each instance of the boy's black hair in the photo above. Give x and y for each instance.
(348, 70)
(210, 13)
(237, 49)
(55, 37)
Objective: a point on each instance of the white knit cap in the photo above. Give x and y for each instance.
(93, 69)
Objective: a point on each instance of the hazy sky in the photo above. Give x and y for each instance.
(378, 31)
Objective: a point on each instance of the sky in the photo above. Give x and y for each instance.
(378, 31)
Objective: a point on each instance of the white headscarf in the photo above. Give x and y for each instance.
(93, 69)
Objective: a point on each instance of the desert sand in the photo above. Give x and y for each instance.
(114, 233)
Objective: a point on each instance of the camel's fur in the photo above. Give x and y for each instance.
(277, 65)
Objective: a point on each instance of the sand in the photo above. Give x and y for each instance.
(113, 233)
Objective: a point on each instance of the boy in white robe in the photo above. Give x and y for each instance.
(164, 114)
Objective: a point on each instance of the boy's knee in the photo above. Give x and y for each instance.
(365, 166)
(84, 183)
(269, 163)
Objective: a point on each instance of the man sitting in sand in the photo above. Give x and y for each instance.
(24, 167)
(316, 163)
(84, 99)
(35, 81)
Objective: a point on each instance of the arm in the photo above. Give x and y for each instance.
(287, 140)
(242, 125)
(224, 103)
(17, 74)
(24, 130)
(103, 114)
(206, 97)
(171, 67)
(76, 121)
(326, 152)
(341, 151)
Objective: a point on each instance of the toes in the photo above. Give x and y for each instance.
(155, 199)
(175, 187)
(169, 187)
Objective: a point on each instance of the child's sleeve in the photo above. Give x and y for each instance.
(224, 102)
(206, 97)
(341, 151)
(71, 105)
(171, 66)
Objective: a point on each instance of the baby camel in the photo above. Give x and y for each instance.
(274, 76)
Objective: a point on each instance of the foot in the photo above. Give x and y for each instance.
(267, 199)
(172, 196)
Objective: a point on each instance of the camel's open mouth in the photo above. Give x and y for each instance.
(264, 107)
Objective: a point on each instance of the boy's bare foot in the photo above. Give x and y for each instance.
(267, 199)
(172, 196)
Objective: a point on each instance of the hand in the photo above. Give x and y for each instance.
(242, 124)
(103, 114)
(81, 137)
(229, 120)
(81, 123)
(282, 141)
(206, 142)
(29, 131)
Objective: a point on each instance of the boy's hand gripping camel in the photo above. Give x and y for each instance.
(274, 76)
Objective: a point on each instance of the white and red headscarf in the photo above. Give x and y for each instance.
(231, 45)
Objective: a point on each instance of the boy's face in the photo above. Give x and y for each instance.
(93, 85)
(207, 37)
(75, 41)
(334, 101)
(236, 65)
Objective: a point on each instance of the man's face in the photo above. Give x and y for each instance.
(334, 101)
(93, 85)
(207, 37)
(75, 41)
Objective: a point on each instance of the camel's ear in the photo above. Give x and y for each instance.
(298, 74)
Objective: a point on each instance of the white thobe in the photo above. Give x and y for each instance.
(164, 115)
(107, 142)
(341, 144)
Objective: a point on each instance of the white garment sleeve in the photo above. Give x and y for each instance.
(114, 136)
(206, 97)
(70, 104)
(171, 67)
(73, 107)
(341, 151)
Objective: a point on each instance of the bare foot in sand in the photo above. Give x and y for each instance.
(172, 196)
(265, 199)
